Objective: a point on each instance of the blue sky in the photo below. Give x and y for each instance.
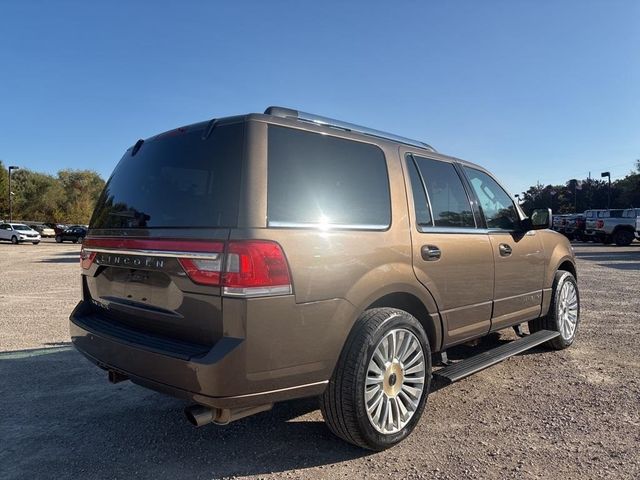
(533, 90)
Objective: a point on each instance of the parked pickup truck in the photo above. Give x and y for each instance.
(621, 230)
(591, 221)
(574, 227)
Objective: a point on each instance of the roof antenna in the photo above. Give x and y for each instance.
(136, 147)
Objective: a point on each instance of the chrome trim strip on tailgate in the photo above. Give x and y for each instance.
(156, 253)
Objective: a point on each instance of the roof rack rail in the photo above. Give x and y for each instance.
(349, 127)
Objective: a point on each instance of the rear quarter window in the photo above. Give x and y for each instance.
(318, 180)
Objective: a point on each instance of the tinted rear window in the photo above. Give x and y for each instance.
(176, 180)
(319, 180)
(449, 202)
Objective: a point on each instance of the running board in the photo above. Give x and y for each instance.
(469, 366)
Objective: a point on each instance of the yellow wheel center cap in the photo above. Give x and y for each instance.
(393, 379)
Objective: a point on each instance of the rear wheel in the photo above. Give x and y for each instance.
(14, 240)
(379, 388)
(58, 239)
(623, 238)
(564, 312)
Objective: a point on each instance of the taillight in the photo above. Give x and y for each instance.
(86, 258)
(254, 268)
(248, 268)
(205, 271)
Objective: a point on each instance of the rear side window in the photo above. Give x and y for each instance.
(176, 179)
(449, 202)
(317, 180)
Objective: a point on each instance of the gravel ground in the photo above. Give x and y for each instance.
(570, 414)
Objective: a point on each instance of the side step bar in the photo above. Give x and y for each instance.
(469, 366)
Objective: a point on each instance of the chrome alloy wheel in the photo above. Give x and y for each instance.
(395, 381)
(568, 311)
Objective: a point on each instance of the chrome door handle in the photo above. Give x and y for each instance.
(430, 253)
(505, 250)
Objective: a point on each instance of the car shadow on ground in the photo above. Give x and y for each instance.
(61, 416)
(62, 259)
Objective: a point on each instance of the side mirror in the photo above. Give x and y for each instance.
(540, 219)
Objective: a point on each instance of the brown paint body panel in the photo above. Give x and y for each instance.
(259, 350)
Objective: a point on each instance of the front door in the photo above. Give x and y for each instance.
(519, 256)
(452, 257)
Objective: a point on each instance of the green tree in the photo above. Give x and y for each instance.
(578, 195)
(81, 190)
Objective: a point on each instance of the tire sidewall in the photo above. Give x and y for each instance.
(399, 319)
(561, 279)
(15, 240)
(623, 238)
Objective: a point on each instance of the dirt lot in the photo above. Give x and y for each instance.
(571, 414)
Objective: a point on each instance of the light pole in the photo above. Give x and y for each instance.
(11, 167)
(608, 175)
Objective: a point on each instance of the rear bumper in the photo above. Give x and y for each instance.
(216, 377)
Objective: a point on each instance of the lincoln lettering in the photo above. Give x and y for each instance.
(130, 261)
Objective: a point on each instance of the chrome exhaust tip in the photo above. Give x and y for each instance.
(199, 415)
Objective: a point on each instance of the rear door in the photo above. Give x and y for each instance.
(156, 239)
(452, 257)
(519, 256)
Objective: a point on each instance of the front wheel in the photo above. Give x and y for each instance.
(564, 312)
(58, 239)
(35, 243)
(380, 385)
(14, 240)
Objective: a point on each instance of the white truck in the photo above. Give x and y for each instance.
(620, 230)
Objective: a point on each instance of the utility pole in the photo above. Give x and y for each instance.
(11, 167)
(608, 175)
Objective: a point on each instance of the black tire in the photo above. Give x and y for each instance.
(623, 238)
(36, 243)
(343, 403)
(552, 321)
(15, 240)
(58, 239)
(75, 240)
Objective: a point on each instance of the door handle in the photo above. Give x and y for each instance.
(430, 253)
(505, 250)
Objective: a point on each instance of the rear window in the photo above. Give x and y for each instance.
(176, 179)
(317, 180)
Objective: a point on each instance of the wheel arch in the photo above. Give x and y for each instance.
(568, 266)
(411, 304)
(618, 228)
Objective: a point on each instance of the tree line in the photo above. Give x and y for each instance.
(68, 197)
(578, 195)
